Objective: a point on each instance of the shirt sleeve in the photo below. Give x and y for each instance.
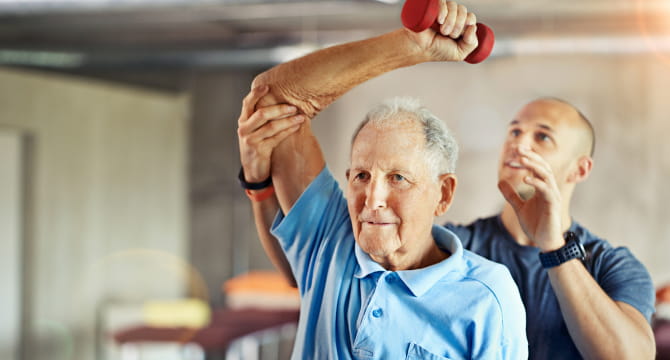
(503, 334)
(514, 343)
(304, 233)
(624, 278)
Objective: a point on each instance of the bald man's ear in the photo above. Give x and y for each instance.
(581, 173)
(448, 187)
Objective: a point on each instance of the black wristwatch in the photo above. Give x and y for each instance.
(253, 186)
(573, 249)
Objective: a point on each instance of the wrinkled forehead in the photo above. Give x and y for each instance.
(389, 141)
(401, 129)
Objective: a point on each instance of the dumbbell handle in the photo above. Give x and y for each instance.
(418, 15)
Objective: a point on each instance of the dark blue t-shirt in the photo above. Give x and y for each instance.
(616, 270)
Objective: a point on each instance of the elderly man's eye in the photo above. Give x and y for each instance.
(361, 176)
(398, 177)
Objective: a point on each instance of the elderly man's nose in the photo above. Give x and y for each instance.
(376, 194)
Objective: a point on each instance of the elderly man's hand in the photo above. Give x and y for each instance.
(457, 37)
(261, 130)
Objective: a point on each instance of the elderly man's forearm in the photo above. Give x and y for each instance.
(314, 81)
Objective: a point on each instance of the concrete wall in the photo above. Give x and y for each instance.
(107, 211)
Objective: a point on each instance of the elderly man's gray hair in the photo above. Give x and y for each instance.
(441, 146)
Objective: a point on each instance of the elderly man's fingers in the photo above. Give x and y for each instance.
(471, 19)
(450, 20)
(249, 102)
(469, 41)
(442, 13)
(459, 24)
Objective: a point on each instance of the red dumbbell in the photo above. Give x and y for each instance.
(418, 15)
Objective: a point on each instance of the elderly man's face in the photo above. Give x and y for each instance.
(392, 193)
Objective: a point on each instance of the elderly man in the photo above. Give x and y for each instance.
(377, 279)
(599, 307)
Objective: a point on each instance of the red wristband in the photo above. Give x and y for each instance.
(262, 195)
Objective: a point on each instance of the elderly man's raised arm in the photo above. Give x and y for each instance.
(314, 81)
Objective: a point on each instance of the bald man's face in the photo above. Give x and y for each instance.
(552, 129)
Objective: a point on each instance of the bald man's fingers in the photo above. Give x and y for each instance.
(510, 194)
(249, 102)
(267, 114)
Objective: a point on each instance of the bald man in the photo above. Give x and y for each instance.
(598, 307)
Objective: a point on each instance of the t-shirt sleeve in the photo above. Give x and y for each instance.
(463, 233)
(624, 278)
(303, 233)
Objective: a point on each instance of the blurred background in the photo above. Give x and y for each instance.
(119, 202)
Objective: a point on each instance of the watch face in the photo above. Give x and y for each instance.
(570, 236)
(581, 249)
(573, 248)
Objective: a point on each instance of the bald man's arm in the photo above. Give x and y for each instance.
(600, 327)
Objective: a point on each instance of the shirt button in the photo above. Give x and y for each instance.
(377, 313)
(390, 278)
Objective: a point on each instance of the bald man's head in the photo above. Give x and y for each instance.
(587, 141)
(559, 133)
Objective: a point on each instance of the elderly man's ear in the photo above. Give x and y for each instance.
(448, 187)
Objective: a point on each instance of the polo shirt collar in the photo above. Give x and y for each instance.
(419, 281)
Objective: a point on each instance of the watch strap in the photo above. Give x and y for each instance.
(573, 249)
(253, 186)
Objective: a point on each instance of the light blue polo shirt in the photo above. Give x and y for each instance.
(465, 307)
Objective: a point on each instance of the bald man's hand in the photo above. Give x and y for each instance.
(260, 130)
(539, 215)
